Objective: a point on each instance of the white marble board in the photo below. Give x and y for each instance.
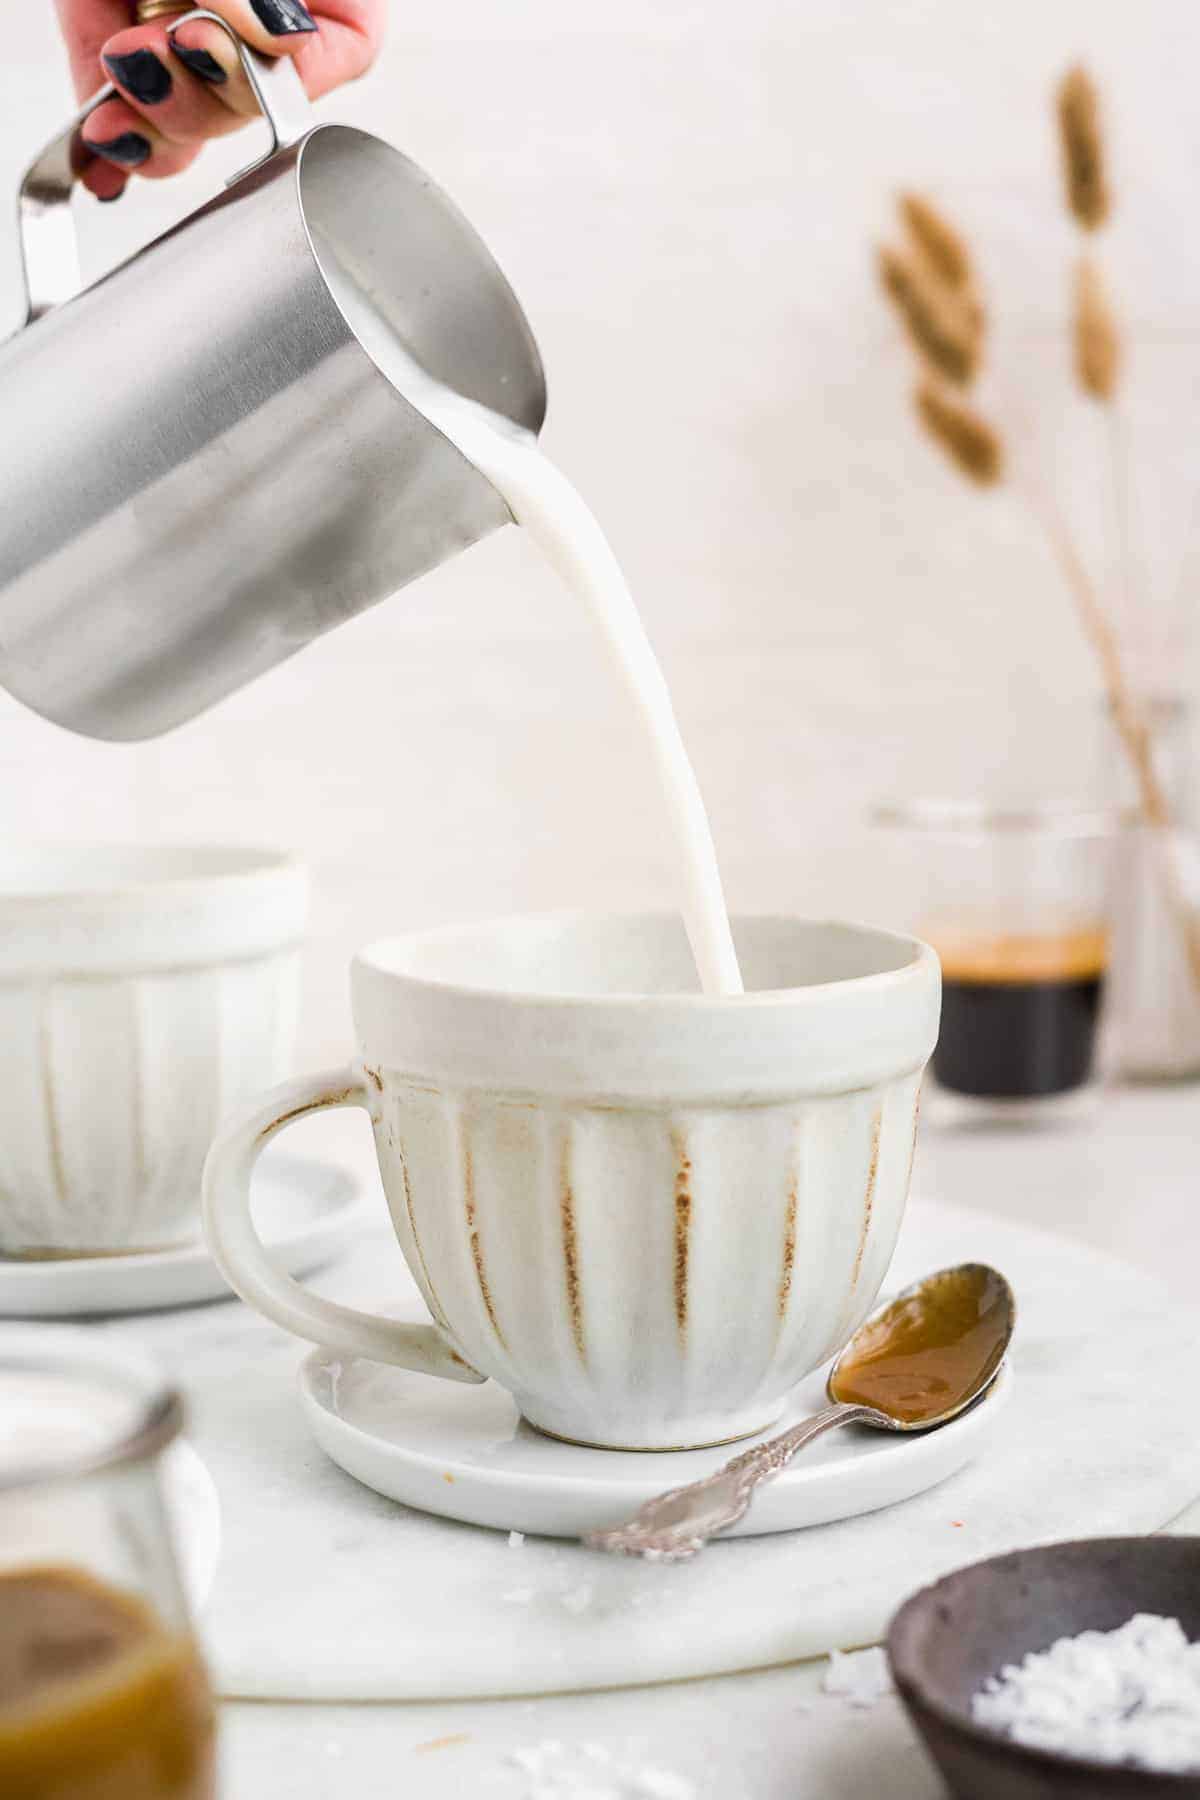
(327, 1591)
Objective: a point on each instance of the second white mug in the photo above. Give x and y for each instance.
(144, 992)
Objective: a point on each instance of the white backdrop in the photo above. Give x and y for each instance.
(684, 195)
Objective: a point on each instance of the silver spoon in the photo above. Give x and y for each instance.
(919, 1361)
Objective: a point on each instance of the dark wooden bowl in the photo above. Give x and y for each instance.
(945, 1642)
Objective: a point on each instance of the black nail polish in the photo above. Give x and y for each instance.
(140, 74)
(283, 16)
(127, 151)
(201, 63)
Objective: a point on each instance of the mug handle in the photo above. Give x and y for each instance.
(247, 1265)
(49, 251)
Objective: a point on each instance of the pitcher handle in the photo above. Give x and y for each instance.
(46, 228)
(248, 1265)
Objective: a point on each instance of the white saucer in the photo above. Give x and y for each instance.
(304, 1209)
(464, 1452)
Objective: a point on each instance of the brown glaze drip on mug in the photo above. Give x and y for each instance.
(929, 1350)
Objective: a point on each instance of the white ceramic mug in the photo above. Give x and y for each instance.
(646, 1212)
(143, 993)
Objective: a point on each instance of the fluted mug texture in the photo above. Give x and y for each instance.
(646, 1212)
(143, 994)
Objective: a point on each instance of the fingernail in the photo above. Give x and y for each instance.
(141, 74)
(201, 63)
(107, 199)
(127, 150)
(281, 16)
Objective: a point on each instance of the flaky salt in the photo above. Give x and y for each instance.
(858, 1676)
(558, 1771)
(1128, 1696)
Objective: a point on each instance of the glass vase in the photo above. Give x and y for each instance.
(1153, 1025)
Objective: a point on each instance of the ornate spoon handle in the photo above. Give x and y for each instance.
(675, 1525)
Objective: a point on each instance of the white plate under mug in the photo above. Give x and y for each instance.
(306, 1210)
(465, 1453)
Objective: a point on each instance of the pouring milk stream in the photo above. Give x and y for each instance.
(562, 525)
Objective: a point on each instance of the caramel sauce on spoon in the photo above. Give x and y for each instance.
(920, 1361)
(930, 1349)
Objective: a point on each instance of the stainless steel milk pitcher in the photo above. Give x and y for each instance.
(201, 467)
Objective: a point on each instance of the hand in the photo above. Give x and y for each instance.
(176, 94)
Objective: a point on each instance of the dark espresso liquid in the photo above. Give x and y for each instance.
(1019, 1013)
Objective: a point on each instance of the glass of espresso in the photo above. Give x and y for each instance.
(1016, 903)
(103, 1691)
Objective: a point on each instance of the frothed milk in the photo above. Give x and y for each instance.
(545, 503)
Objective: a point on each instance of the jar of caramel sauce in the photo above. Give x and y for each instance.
(103, 1691)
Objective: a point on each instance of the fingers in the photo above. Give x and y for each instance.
(178, 106)
(131, 142)
(276, 27)
(166, 94)
(103, 179)
(210, 56)
(122, 138)
(338, 46)
(176, 89)
(345, 46)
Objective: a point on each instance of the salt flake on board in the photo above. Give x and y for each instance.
(858, 1676)
(589, 1772)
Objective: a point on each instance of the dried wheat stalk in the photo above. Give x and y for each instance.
(1095, 623)
(942, 249)
(1097, 348)
(1083, 148)
(963, 433)
(1095, 335)
(939, 322)
(941, 242)
(1097, 339)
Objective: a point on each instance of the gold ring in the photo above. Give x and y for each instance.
(161, 9)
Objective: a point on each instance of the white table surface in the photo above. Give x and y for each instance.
(1128, 1180)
